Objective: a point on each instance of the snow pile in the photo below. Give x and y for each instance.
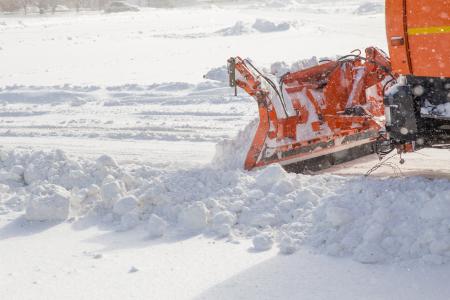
(194, 218)
(385, 220)
(51, 203)
(275, 4)
(371, 220)
(369, 8)
(442, 110)
(262, 242)
(218, 74)
(259, 26)
(156, 226)
(280, 68)
(262, 25)
(231, 153)
(239, 28)
(52, 186)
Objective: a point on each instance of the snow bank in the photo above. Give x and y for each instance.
(231, 153)
(275, 4)
(239, 28)
(50, 184)
(262, 25)
(218, 74)
(280, 68)
(369, 8)
(259, 26)
(441, 110)
(370, 220)
(385, 220)
(51, 204)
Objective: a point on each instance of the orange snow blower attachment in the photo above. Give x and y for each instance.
(317, 117)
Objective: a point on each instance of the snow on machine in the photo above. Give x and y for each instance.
(343, 109)
(318, 116)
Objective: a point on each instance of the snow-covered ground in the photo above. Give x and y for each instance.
(112, 185)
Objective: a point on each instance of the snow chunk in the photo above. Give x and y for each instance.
(262, 242)
(111, 192)
(194, 218)
(239, 28)
(52, 205)
(262, 25)
(369, 8)
(129, 220)
(259, 26)
(156, 226)
(441, 110)
(222, 222)
(287, 245)
(218, 74)
(370, 253)
(338, 216)
(106, 161)
(280, 68)
(231, 154)
(125, 205)
(270, 175)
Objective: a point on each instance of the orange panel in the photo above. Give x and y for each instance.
(428, 27)
(396, 35)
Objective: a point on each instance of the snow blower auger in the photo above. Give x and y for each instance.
(317, 117)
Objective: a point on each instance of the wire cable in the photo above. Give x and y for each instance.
(272, 84)
(387, 163)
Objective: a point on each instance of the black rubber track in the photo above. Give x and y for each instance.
(327, 161)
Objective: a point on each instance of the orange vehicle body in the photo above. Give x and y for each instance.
(418, 35)
(418, 113)
(331, 107)
(343, 104)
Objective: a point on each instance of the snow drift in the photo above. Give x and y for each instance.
(259, 26)
(371, 220)
(369, 8)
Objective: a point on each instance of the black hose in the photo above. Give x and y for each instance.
(386, 84)
(272, 84)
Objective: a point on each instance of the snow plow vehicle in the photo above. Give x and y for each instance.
(356, 105)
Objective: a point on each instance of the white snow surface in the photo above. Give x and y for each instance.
(147, 47)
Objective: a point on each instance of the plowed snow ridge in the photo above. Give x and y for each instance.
(371, 220)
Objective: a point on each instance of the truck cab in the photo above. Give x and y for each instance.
(418, 107)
